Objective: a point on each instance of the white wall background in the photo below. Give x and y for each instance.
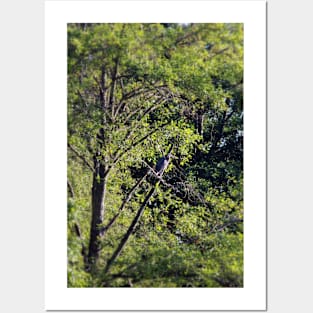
(290, 155)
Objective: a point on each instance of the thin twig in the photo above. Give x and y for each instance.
(81, 157)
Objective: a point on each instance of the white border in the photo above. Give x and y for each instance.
(253, 295)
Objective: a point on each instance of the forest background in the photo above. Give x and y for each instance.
(135, 93)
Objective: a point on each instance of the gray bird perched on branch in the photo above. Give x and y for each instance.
(162, 164)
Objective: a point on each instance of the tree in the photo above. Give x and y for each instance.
(134, 92)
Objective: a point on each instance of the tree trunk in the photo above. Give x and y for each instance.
(98, 185)
(199, 123)
(98, 196)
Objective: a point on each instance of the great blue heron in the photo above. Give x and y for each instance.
(162, 164)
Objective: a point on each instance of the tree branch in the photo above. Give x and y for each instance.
(70, 189)
(112, 89)
(126, 200)
(120, 154)
(78, 234)
(134, 93)
(225, 225)
(135, 221)
(81, 157)
(130, 230)
(219, 52)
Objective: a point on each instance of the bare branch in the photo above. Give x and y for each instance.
(225, 225)
(121, 208)
(85, 161)
(120, 154)
(78, 234)
(130, 230)
(113, 84)
(70, 189)
(98, 83)
(81, 97)
(135, 93)
(219, 52)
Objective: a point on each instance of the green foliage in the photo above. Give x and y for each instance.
(135, 92)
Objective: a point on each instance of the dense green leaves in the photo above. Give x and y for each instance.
(136, 92)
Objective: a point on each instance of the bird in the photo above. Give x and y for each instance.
(209, 46)
(162, 164)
